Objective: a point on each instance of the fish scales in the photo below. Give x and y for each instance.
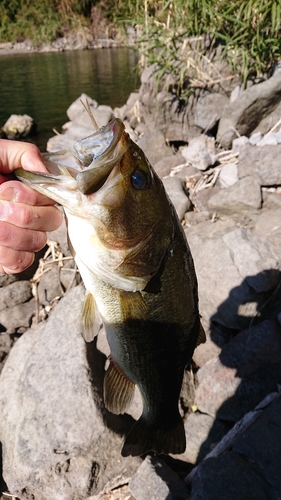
(138, 273)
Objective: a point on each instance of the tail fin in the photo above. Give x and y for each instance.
(143, 438)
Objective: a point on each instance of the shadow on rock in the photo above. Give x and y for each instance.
(233, 383)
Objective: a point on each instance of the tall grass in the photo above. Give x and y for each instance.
(174, 35)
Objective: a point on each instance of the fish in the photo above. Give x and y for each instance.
(139, 276)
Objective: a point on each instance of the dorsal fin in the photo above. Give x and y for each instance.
(201, 336)
(118, 390)
(91, 318)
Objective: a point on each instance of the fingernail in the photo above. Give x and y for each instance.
(3, 210)
(9, 194)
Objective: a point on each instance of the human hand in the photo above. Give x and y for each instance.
(25, 215)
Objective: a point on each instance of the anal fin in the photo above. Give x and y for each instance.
(118, 390)
(91, 318)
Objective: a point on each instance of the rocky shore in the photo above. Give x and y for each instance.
(79, 39)
(219, 159)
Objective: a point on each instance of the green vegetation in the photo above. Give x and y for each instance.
(181, 36)
(41, 20)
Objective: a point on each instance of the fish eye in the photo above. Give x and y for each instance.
(139, 180)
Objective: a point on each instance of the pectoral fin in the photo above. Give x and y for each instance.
(91, 318)
(202, 336)
(118, 390)
(132, 305)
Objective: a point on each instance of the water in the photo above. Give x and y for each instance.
(43, 85)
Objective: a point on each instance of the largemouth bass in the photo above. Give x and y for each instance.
(138, 273)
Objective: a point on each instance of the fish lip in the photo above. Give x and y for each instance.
(115, 127)
(94, 177)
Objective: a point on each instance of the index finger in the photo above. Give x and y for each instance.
(16, 154)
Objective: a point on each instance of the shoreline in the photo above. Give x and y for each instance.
(74, 40)
(18, 49)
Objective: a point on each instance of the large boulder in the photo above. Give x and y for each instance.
(58, 440)
(241, 269)
(244, 114)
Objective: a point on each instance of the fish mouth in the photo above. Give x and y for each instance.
(87, 170)
(110, 150)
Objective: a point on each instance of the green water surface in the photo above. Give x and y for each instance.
(43, 85)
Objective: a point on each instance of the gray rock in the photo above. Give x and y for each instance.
(241, 269)
(18, 126)
(102, 114)
(7, 279)
(187, 173)
(260, 265)
(66, 141)
(154, 146)
(255, 138)
(57, 438)
(202, 433)
(141, 129)
(201, 198)
(245, 113)
(260, 445)
(130, 131)
(69, 275)
(194, 218)
(164, 166)
(180, 200)
(263, 163)
(278, 136)
(235, 93)
(238, 142)
(163, 110)
(229, 477)
(268, 140)
(205, 352)
(198, 154)
(147, 73)
(81, 124)
(15, 293)
(244, 197)
(5, 347)
(247, 369)
(208, 110)
(271, 201)
(269, 120)
(268, 226)
(228, 175)
(60, 237)
(19, 316)
(154, 480)
(76, 108)
(49, 287)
